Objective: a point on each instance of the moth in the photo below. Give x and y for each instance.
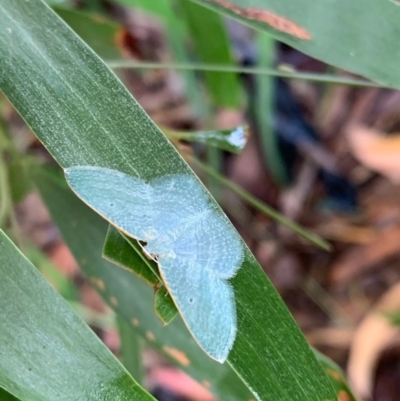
(196, 248)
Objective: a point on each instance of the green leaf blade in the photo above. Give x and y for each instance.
(131, 347)
(336, 32)
(129, 296)
(73, 82)
(100, 34)
(123, 254)
(126, 253)
(164, 306)
(47, 352)
(212, 46)
(84, 116)
(5, 396)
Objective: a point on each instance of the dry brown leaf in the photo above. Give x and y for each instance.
(336, 337)
(228, 118)
(362, 258)
(375, 151)
(373, 335)
(345, 232)
(293, 198)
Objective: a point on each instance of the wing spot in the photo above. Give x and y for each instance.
(179, 356)
(275, 21)
(114, 301)
(206, 384)
(135, 322)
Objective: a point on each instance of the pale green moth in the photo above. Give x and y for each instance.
(195, 246)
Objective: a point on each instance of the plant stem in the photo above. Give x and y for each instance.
(326, 78)
(264, 208)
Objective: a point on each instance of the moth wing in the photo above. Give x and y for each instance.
(206, 304)
(121, 199)
(176, 198)
(210, 243)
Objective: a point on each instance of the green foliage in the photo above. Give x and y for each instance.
(84, 128)
(131, 349)
(335, 32)
(264, 111)
(102, 34)
(212, 46)
(84, 116)
(125, 252)
(131, 297)
(46, 350)
(4, 396)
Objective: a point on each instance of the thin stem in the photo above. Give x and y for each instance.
(263, 207)
(5, 204)
(326, 302)
(326, 78)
